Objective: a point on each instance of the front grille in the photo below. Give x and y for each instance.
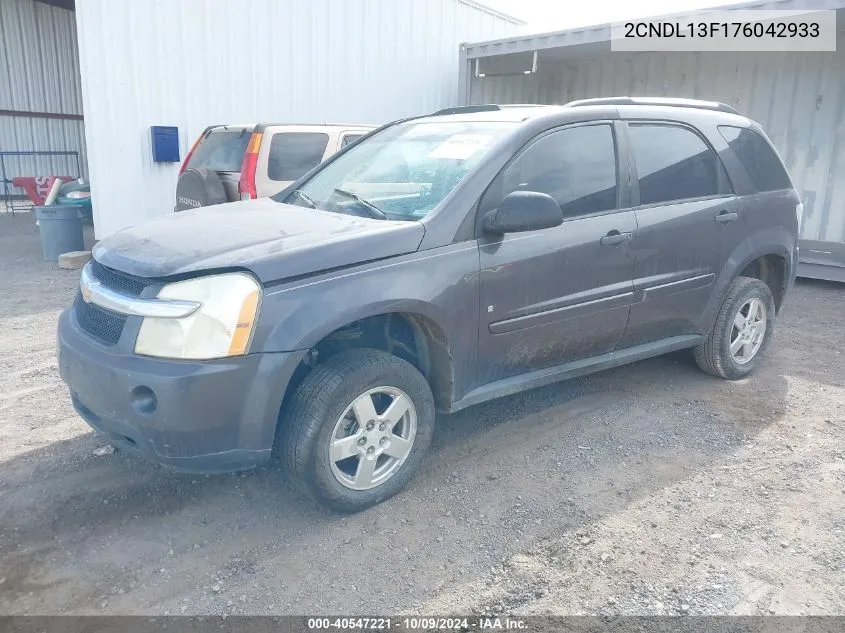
(117, 281)
(103, 325)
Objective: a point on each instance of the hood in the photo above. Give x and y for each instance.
(273, 240)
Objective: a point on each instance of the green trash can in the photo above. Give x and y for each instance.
(61, 229)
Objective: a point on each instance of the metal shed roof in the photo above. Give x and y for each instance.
(499, 14)
(600, 33)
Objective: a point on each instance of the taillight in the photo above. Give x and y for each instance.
(799, 211)
(246, 185)
(190, 153)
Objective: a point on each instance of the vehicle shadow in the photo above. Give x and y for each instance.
(500, 475)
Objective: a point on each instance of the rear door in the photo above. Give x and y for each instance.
(561, 294)
(222, 150)
(289, 152)
(683, 205)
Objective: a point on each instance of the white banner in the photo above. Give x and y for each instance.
(729, 30)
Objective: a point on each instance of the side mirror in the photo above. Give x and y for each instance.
(524, 211)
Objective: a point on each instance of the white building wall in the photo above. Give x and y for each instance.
(192, 63)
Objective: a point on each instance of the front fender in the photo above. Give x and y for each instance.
(304, 333)
(440, 284)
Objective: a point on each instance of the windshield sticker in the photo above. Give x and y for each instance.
(460, 146)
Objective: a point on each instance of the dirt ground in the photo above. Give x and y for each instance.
(648, 489)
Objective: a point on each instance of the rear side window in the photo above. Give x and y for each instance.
(575, 166)
(350, 138)
(673, 163)
(221, 150)
(757, 156)
(294, 154)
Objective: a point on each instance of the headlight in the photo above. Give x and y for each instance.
(221, 326)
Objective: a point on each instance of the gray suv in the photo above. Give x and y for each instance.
(437, 263)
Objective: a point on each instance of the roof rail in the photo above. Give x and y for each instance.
(468, 109)
(656, 101)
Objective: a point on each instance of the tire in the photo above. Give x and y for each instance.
(714, 356)
(199, 187)
(320, 416)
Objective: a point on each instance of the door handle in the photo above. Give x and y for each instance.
(614, 238)
(724, 217)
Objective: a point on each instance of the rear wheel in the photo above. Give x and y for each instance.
(357, 429)
(742, 332)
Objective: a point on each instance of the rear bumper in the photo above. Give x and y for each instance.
(195, 416)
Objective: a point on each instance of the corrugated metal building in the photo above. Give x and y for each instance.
(799, 98)
(40, 92)
(192, 63)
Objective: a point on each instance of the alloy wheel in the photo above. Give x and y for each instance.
(373, 438)
(748, 331)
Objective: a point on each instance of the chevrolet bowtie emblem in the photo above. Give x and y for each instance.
(87, 288)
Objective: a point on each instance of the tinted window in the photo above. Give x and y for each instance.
(673, 163)
(294, 154)
(221, 150)
(757, 156)
(350, 138)
(576, 167)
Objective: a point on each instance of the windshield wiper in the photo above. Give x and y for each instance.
(372, 209)
(304, 198)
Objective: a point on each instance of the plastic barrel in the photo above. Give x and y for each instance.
(61, 230)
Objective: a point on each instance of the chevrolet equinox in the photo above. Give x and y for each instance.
(439, 262)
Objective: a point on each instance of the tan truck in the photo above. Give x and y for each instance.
(241, 162)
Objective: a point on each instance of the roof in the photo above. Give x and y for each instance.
(485, 9)
(600, 33)
(252, 126)
(513, 113)
(624, 105)
(70, 4)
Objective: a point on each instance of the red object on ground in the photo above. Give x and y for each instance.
(37, 187)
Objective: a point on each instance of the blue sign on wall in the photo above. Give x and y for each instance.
(165, 143)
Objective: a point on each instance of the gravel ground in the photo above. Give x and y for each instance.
(648, 489)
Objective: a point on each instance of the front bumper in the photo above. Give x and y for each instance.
(195, 416)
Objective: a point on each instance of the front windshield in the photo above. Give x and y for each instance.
(402, 172)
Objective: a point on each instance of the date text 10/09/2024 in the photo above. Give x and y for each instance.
(477, 623)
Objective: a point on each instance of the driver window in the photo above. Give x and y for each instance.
(575, 166)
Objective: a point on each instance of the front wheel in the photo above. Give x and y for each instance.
(357, 429)
(742, 332)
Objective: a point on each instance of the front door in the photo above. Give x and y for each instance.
(557, 295)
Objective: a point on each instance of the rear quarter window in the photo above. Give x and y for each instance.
(349, 139)
(294, 154)
(221, 150)
(757, 156)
